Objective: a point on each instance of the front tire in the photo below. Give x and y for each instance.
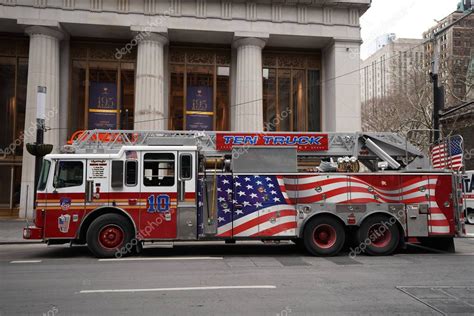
(379, 235)
(324, 236)
(109, 236)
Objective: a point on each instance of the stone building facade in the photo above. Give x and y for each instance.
(177, 64)
(383, 72)
(456, 75)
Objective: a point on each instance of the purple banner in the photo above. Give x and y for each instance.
(199, 108)
(100, 120)
(199, 122)
(199, 98)
(102, 105)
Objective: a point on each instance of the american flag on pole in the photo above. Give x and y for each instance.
(448, 154)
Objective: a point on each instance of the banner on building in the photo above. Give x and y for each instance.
(199, 108)
(103, 105)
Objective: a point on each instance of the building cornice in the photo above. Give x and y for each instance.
(325, 12)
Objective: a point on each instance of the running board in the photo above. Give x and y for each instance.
(158, 244)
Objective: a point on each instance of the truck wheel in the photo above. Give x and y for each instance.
(324, 236)
(470, 216)
(378, 236)
(110, 235)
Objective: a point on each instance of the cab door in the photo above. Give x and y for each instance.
(187, 210)
(97, 183)
(158, 196)
(66, 196)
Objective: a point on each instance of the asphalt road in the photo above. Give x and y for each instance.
(245, 278)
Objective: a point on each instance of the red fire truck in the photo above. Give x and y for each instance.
(115, 190)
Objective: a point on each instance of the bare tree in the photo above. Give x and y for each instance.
(408, 106)
(409, 103)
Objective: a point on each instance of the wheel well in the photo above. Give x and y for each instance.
(397, 222)
(95, 214)
(320, 215)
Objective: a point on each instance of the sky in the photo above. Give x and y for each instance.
(405, 18)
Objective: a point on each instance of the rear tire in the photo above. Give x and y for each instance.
(378, 235)
(324, 236)
(111, 235)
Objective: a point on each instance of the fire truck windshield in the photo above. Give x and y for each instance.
(44, 175)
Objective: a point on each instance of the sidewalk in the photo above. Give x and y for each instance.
(11, 232)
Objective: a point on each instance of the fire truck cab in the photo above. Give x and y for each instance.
(115, 190)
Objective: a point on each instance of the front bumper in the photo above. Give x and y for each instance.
(32, 232)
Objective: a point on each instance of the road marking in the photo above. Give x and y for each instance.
(198, 288)
(162, 258)
(25, 261)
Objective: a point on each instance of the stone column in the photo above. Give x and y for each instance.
(341, 87)
(65, 64)
(248, 106)
(43, 70)
(149, 85)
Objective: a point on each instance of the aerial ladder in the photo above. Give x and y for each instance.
(375, 151)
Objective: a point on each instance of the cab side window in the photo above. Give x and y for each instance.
(158, 170)
(68, 174)
(186, 167)
(131, 172)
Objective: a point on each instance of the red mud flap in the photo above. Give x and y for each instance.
(32, 232)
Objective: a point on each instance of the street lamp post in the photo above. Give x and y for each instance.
(38, 148)
(40, 120)
(438, 95)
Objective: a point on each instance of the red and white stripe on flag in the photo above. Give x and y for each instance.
(447, 155)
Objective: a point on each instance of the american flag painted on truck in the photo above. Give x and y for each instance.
(352, 189)
(252, 206)
(265, 205)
